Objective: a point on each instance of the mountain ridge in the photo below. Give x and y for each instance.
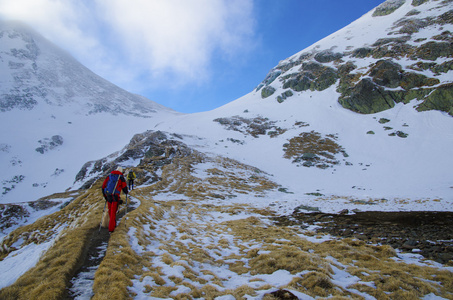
(44, 73)
(379, 63)
(239, 202)
(54, 112)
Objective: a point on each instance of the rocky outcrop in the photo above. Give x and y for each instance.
(311, 149)
(366, 97)
(372, 94)
(267, 92)
(388, 7)
(255, 127)
(441, 99)
(384, 80)
(49, 143)
(153, 148)
(312, 76)
(284, 95)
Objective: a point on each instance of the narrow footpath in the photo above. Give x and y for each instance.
(81, 285)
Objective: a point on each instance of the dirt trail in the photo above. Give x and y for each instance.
(93, 255)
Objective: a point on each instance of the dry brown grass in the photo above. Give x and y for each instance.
(322, 149)
(222, 182)
(187, 235)
(49, 278)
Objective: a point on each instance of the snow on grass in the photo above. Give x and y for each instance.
(82, 285)
(198, 230)
(18, 262)
(215, 251)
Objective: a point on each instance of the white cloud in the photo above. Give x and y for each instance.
(179, 36)
(155, 39)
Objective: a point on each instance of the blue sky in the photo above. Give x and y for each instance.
(189, 55)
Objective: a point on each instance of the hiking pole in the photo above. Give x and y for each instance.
(125, 214)
(102, 216)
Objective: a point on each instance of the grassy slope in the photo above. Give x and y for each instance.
(186, 249)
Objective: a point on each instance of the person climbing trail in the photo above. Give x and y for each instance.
(130, 179)
(111, 189)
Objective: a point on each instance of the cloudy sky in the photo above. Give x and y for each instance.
(189, 55)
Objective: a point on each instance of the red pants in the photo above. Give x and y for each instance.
(113, 207)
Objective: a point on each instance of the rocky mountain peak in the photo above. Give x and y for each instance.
(34, 71)
(399, 52)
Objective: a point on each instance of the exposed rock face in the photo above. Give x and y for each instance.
(388, 7)
(154, 147)
(267, 91)
(386, 75)
(366, 97)
(312, 76)
(371, 96)
(49, 143)
(440, 99)
(254, 127)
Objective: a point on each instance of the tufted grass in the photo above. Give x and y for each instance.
(190, 236)
(51, 275)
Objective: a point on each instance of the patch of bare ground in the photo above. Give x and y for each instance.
(427, 233)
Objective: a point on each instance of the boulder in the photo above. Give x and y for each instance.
(440, 99)
(312, 76)
(367, 98)
(388, 7)
(386, 73)
(433, 50)
(267, 92)
(418, 2)
(327, 56)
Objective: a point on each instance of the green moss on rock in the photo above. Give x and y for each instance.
(418, 2)
(313, 76)
(367, 98)
(387, 7)
(387, 73)
(362, 52)
(284, 95)
(327, 56)
(433, 50)
(412, 80)
(440, 99)
(267, 91)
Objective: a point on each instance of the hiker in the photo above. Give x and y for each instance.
(130, 179)
(111, 189)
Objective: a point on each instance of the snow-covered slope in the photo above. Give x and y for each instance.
(55, 115)
(399, 155)
(208, 182)
(72, 116)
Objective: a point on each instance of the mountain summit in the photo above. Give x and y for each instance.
(55, 114)
(34, 72)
